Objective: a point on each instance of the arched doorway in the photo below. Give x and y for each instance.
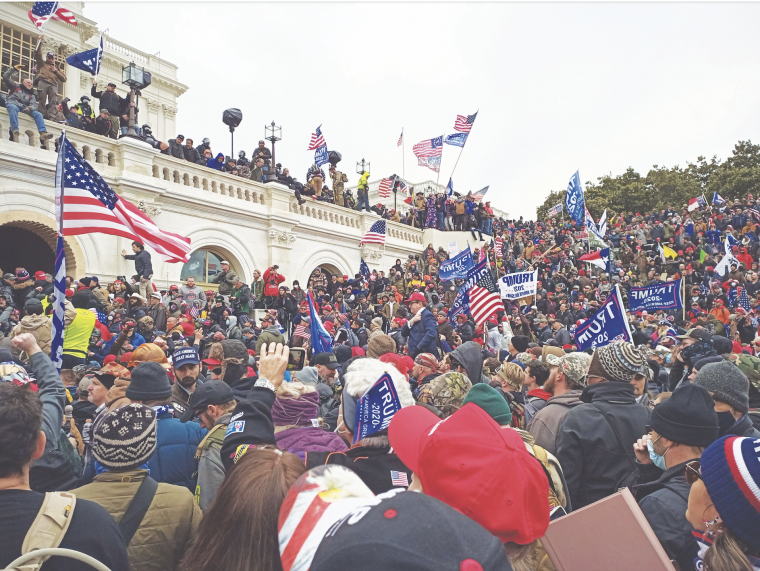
(29, 251)
(24, 235)
(328, 270)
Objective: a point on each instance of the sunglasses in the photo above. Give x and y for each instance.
(692, 472)
(217, 371)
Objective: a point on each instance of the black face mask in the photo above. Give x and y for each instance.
(725, 421)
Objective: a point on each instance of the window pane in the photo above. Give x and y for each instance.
(195, 267)
(214, 265)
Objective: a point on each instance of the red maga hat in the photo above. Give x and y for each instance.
(416, 296)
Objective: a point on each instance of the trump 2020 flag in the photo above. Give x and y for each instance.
(88, 61)
(457, 267)
(320, 156)
(555, 210)
(718, 199)
(605, 326)
(376, 408)
(450, 188)
(575, 203)
(461, 305)
(321, 340)
(517, 285)
(59, 300)
(364, 269)
(661, 296)
(457, 139)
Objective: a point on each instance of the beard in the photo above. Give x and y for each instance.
(188, 381)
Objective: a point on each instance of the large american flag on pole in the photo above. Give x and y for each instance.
(317, 140)
(429, 147)
(385, 188)
(478, 196)
(90, 206)
(464, 123)
(375, 234)
(483, 303)
(41, 12)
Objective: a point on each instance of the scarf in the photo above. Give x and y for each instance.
(296, 412)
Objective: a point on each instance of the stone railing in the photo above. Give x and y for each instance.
(125, 50)
(185, 173)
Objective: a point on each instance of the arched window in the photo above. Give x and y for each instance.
(203, 266)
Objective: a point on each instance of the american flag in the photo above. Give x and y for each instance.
(317, 140)
(90, 206)
(497, 247)
(41, 12)
(385, 188)
(744, 300)
(400, 139)
(483, 303)
(102, 317)
(375, 234)
(478, 196)
(463, 124)
(194, 311)
(301, 331)
(755, 214)
(399, 478)
(429, 148)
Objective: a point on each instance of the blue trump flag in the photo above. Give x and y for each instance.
(320, 156)
(457, 267)
(606, 325)
(661, 296)
(457, 139)
(450, 188)
(575, 203)
(461, 305)
(88, 61)
(376, 408)
(321, 340)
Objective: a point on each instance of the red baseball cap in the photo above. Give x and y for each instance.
(416, 296)
(397, 361)
(39, 275)
(212, 361)
(461, 461)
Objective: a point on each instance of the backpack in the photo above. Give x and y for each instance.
(49, 527)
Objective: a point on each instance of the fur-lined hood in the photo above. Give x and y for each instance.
(363, 373)
(23, 285)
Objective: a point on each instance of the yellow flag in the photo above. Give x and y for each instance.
(669, 253)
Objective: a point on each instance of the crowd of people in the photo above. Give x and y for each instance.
(179, 435)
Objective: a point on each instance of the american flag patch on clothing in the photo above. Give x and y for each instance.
(399, 478)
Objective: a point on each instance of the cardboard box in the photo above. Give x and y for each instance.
(611, 534)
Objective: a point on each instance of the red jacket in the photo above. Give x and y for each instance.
(272, 282)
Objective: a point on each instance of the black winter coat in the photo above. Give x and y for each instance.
(176, 150)
(664, 497)
(143, 266)
(192, 155)
(595, 441)
(108, 100)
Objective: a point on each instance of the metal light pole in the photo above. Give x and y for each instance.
(135, 78)
(273, 134)
(361, 167)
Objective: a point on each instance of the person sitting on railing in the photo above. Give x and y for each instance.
(71, 115)
(102, 124)
(191, 153)
(147, 135)
(258, 171)
(176, 147)
(203, 147)
(217, 164)
(22, 99)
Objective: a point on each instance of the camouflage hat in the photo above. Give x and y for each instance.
(573, 365)
(748, 365)
(446, 392)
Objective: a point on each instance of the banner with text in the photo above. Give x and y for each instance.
(515, 286)
(606, 325)
(376, 408)
(661, 296)
(456, 268)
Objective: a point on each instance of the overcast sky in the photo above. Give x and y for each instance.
(559, 87)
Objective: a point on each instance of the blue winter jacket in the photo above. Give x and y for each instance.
(174, 459)
(422, 335)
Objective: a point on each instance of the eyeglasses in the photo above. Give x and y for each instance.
(692, 472)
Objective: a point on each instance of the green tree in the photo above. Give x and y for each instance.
(554, 198)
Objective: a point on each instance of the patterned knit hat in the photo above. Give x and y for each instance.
(617, 362)
(446, 392)
(126, 438)
(731, 473)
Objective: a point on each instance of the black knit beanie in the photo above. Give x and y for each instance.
(149, 382)
(687, 417)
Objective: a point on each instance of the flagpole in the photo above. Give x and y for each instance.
(403, 151)
(462, 149)
(439, 166)
(683, 296)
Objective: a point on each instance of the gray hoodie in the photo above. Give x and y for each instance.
(470, 355)
(544, 426)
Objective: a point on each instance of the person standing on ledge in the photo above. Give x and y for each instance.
(143, 268)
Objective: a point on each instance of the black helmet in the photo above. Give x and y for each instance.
(84, 98)
(146, 128)
(241, 154)
(206, 141)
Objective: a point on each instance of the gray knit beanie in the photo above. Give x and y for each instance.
(727, 384)
(126, 438)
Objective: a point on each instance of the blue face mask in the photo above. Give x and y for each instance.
(656, 459)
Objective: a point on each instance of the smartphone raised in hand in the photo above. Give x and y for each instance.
(296, 359)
